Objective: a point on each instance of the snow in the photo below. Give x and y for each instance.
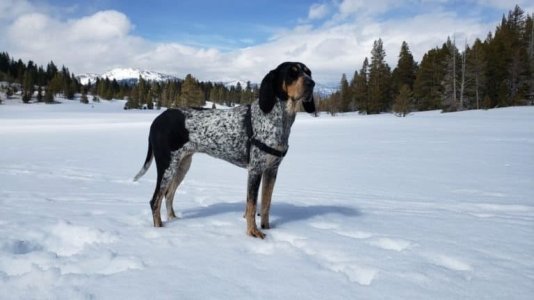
(432, 206)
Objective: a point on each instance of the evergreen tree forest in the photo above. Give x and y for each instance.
(38, 84)
(495, 72)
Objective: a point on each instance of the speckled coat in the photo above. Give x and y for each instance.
(222, 134)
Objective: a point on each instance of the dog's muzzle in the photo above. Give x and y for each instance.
(309, 84)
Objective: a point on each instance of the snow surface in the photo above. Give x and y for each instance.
(432, 206)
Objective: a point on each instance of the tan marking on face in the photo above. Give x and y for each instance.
(295, 90)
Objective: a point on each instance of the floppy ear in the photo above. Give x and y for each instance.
(309, 106)
(267, 93)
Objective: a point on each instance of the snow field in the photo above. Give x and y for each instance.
(432, 206)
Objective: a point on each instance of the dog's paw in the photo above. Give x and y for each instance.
(255, 232)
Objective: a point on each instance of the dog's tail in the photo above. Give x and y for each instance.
(148, 161)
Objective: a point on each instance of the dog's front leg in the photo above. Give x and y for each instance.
(269, 178)
(254, 180)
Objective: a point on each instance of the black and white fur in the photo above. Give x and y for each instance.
(177, 134)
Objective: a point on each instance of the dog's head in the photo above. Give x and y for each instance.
(290, 81)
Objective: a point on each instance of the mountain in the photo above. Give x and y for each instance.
(131, 76)
(128, 75)
(324, 90)
(234, 83)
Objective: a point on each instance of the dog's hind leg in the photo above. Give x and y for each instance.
(183, 167)
(155, 203)
(267, 186)
(166, 168)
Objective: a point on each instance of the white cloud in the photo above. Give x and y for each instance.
(318, 11)
(505, 4)
(97, 42)
(9, 9)
(104, 40)
(103, 25)
(361, 7)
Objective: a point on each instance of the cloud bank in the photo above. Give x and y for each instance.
(333, 38)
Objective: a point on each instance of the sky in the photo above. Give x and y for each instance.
(237, 39)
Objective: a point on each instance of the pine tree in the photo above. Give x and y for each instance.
(39, 94)
(155, 95)
(334, 103)
(141, 92)
(4, 63)
(352, 88)
(401, 106)
(508, 73)
(27, 86)
(133, 99)
(361, 88)
(529, 35)
(51, 71)
(191, 93)
(379, 80)
(405, 72)
(427, 86)
(450, 94)
(54, 86)
(84, 99)
(518, 69)
(345, 94)
(68, 87)
(49, 95)
(475, 74)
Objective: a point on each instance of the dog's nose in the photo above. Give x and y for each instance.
(309, 83)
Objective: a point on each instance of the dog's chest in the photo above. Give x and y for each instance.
(273, 128)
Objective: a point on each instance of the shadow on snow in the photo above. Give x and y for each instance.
(281, 213)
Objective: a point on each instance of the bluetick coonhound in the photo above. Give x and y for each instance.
(252, 136)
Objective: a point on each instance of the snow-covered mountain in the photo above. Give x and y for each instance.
(126, 74)
(234, 83)
(131, 75)
(324, 90)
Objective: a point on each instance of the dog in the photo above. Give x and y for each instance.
(251, 136)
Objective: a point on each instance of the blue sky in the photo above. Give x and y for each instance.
(207, 23)
(236, 39)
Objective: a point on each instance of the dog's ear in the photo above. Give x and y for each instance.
(309, 106)
(267, 92)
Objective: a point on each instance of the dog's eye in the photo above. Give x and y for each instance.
(294, 71)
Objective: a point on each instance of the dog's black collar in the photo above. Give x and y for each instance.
(252, 141)
(268, 149)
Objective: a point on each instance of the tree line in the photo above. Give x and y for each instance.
(35, 81)
(39, 84)
(188, 92)
(496, 72)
